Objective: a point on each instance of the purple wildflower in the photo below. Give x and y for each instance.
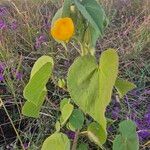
(26, 146)
(2, 67)
(3, 10)
(19, 75)
(14, 25)
(40, 40)
(143, 134)
(70, 134)
(1, 77)
(2, 25)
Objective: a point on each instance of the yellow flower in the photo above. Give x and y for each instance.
(63, 29)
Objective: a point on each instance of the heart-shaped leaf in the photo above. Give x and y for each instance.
(90, 85)
(128, 139)
(57, 141)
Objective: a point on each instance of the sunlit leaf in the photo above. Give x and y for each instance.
(56, 141)
(64, 102)
(31, 110)
(66, 113)
(90, 85)
(40, 75)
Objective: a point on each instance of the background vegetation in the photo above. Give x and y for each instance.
(24, 36)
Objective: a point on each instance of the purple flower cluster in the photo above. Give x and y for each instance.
(18, 75)
(113, 110)
(3, 11)
(70, 134)
(2, 68)
(144, 127)
(40, 40)
(6, 23)
(3, 24)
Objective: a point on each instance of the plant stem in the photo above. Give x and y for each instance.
(2, 104)
(74, 146)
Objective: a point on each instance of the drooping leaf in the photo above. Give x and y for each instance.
(90, 85)
(128, 138)
(40, 63)
(66, 113)
(40, 75)
(95, 15)
(94, 133)
(123, 87)
(66, 8)
(57, 141)
(31, 110)
(76, 119)
(57, 16)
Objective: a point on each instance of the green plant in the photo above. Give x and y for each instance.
(90, 84)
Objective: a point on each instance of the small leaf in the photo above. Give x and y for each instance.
(123, 87)
(76, 119)
(61, 83)
(57, 126)
(66, 113)
(64, 102)
(128, 138)
(56, 141)
(94, 133)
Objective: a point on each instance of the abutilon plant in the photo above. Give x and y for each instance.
(89, 83)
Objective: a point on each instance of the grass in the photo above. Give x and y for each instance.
(128, 32)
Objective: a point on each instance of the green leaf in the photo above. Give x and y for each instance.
(83, 146)
(123, 87)
(57, 126)
(90, 85)
(128, 139)
(66, 8)
(40, 75)
(66, 113)
(76, 119)
(56, 141)
(64, 102)
(57, 16)
(95, 15)
(31, 110)
(94, 133)
(40, 63)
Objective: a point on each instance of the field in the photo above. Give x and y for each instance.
(25, 36)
